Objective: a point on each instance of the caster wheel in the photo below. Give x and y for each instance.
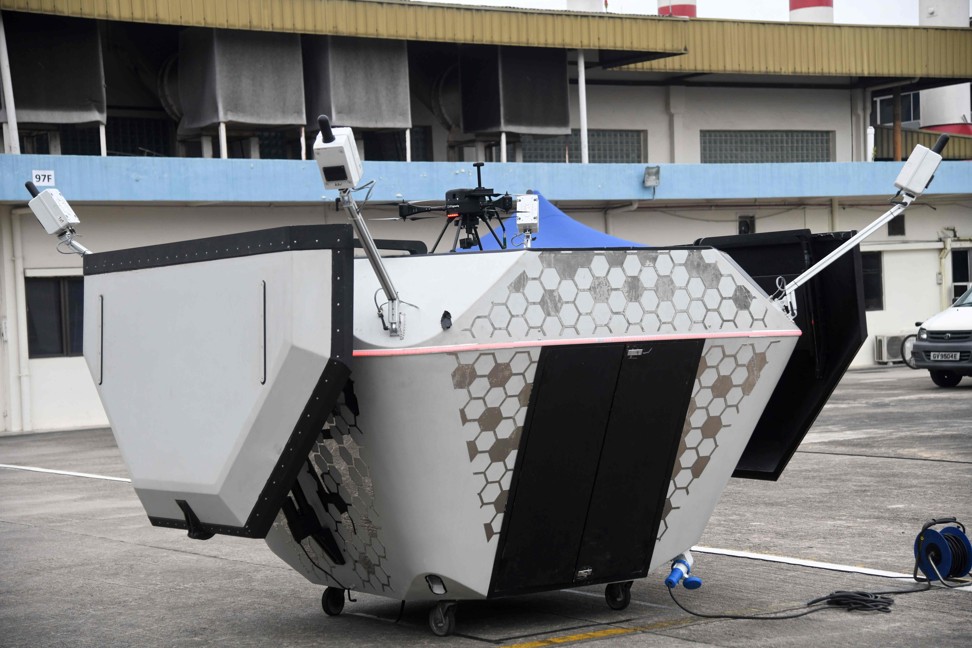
(618, 595)
(332, 601)
(442, 619)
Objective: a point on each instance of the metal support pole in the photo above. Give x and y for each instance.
(788, 300)
(20, 295)
(503, 146)
(394, 323)
(896, 115)
(223, 145)
(12, 135)
(408, 144)
(582, 97)
(103, 138)
(13, 338)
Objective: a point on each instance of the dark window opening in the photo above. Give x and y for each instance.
(54, 316)
(873, 281)
(144, 136)
(389, 145)
(896, 226)
(961, 272)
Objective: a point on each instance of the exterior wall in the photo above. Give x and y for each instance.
(943, 13)
(949, 105)
(628, 107)
(673, 117)
(763, 109)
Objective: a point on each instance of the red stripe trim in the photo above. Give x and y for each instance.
(459, 348)
(957, 129)
(807, 4)
(686, 10)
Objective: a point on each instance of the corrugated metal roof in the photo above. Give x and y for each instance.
(389, 19)
(711, 46)
(959, 146)
(733, 47)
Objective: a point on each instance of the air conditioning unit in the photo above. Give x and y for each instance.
(887, 348)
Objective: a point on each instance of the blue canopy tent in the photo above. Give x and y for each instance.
(559, 231)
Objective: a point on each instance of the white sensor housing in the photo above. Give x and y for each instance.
(918, 171)
(338, 161)
(528, 213)
(53, 211)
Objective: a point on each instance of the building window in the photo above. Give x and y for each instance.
(743, 146)
(603, 145)
(389, 145)
(873, 281)
(896, 226)
(141, 136)
(80, 140)
(882, 109)
(961, 272)
(54, 316)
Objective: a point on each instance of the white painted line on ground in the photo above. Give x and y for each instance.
(703, 550)
(65, 472)
(801, 562)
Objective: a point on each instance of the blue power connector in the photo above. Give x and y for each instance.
(681, 568)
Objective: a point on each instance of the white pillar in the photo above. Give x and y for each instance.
(20, 296)
(206, 146)
(223, 145)
(582, 99)
(503, 146)
(869, 154)
(676, 111)
(11, 135)
(11, 330)
(103, 137)
(408, 144)
(303, 143)
(54, 142)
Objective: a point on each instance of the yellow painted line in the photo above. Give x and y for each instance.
(598, 634)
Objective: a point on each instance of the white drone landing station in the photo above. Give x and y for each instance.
(513, 422)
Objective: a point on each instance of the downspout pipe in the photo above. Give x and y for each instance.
(944, 270)
(13, 134)
(20, 296)
(582, 100)
(10, 321)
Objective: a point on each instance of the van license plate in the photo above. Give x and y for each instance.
(943, 355)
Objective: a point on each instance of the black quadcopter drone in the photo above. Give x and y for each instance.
(465, 209)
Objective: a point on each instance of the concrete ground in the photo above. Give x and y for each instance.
(81, 566)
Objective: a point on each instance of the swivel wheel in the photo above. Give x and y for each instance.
(332, 601)
(442, 619)
(618, 595)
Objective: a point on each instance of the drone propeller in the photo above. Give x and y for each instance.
(406, 218)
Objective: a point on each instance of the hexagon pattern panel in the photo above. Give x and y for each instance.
(617, 292)
(496, 389)
(337, 458)
(725, 378)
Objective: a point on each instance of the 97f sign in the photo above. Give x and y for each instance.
(43, 178)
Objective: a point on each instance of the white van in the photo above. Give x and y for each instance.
(944, 344)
